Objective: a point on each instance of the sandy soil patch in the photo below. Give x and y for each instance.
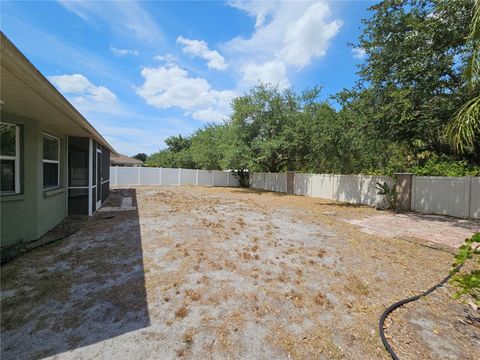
(213, 273)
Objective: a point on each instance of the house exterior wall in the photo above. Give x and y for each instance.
(28, 215)
(52, 206)
(18, 212)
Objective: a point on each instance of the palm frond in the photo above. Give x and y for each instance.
(464, 130)
(473, 68)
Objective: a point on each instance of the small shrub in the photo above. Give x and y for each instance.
(390, 193)
(243, 177)
(468, 283)
(444, 166)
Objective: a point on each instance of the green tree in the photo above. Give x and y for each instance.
(208, 146)
(415, 58)
(176, 155)
(141, 156)
(178, 143)
(464, 130)
(263, 123)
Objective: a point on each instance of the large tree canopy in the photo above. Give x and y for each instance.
(411, 84)
(416, 52)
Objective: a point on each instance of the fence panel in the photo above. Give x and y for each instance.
(257, 180)
(441, 195)
(281, 182)
(205, 177)
(301, 184)
(149, 176)
(322, 186)
(188, 177)
(169, 177)
(113, 176)
(270, 182)
(475, 198)
(369, 194)
(127, 176)
(347, 188)
(233, 180)
(220, 178)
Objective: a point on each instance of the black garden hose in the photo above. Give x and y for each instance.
(406, 301)
(27, 250)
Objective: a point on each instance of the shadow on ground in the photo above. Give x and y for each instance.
(76, 292)
(472, 225)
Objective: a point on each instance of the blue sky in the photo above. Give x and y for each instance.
(143, 71)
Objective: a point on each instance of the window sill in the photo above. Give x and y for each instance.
(52, 192)
(12, 197)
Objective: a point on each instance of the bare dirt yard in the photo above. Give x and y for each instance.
(214, 273)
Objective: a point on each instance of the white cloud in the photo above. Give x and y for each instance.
(171, 86)
(359, 53)
(200, 49)
(127, 18)
(208, 115)
(287, 35)
(123, 52)
(258, 9)
(167, 58)
(309, 36)
(273, 72)
(84, 95)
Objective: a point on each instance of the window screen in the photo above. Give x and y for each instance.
(50, 148)
(9, 158)
(8, 175)
(51, 165)
(8, 140)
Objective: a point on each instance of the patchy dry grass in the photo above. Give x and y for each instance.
(181, 312)
(222, 273)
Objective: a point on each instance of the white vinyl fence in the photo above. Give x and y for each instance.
(128, 176)
(454, 196)
(355, 189)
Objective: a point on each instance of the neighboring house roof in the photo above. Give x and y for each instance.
(124, 159)
(26, 92)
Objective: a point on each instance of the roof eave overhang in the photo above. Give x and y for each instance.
(22, 68)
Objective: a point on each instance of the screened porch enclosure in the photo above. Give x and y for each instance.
(88, 175)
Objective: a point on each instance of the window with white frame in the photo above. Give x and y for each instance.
(51, 162)
(10, 158)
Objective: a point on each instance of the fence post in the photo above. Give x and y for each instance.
(196, 178)
(213, 177)
(179, 176)
(228, 179)
(468, 192)
(360, 188)
(160, 176)
(116, 175)
(332, 177)
(310, 185)
(290, 176)
(414, 187)
(139, 175)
